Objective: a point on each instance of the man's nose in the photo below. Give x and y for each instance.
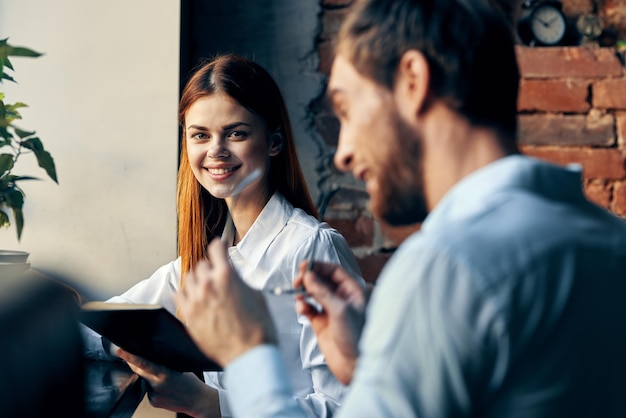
(343, 155)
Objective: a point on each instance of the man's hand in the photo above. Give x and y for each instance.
(339, 324)
(224, 315)
(174, 391)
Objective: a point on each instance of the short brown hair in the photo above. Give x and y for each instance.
(469, 45)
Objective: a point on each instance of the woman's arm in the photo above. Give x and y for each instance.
(158, 289)
(328, 390)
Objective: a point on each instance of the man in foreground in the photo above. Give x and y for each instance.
(507, 302)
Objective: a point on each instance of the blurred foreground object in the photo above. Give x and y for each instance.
(41, 356)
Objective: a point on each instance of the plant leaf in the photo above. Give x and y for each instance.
(20, 178)
(6, 162)
(7, 50)
(3, 112)
(4, 220)
(14, 197)
(44, 159)
(23, 134)
(19, 221)
(5, 76)
(9, 182)
(33, 144)
(16, 105)
(7, 63)
(5, 136)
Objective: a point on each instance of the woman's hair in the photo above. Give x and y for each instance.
(469, 46)
(201, 217)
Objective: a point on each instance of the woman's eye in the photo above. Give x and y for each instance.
(237, 134)
(199, 136)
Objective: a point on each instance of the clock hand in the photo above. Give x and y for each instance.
(543, 22)
(551, 21)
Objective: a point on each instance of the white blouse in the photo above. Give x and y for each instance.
(267, 257)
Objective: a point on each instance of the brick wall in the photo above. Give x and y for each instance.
(572, 109)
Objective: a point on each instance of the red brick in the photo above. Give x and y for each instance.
(331, 22)
(613, 14)
(577, 7)
(598, 163)
(558, 95)
(595, 129)
(610, 93)
(393, 236)
(568, 62)
(620, 123)
(358, 232)
(619, 198)
(599, 192)
(372, 264)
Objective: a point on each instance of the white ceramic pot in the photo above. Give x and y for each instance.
(13, 263)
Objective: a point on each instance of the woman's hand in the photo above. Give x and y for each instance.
(338, 325)
(174, 391)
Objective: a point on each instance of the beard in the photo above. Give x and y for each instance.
(400, 198)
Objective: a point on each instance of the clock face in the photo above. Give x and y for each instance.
(547, 24)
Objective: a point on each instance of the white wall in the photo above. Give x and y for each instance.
(103, 99)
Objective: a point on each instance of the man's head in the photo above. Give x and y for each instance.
(395, 61)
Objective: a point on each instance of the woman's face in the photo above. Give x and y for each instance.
(225, 143)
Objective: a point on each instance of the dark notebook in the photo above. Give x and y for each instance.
(149, 331)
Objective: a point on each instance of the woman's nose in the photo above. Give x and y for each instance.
(217, 149)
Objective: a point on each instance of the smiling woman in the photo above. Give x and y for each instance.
(225, 144)
(240, 180)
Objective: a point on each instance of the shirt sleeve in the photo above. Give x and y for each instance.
(258, 385)
(157, 289)
(328, 392)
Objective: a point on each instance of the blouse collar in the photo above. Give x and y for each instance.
(263, 231)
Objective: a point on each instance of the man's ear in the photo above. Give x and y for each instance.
(412, 82)
(276, 144)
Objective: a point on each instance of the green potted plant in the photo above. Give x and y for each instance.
(14, 143)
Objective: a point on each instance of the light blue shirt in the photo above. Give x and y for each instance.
(509, 302)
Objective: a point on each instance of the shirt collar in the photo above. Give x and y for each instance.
(479, 189)
(263, 231)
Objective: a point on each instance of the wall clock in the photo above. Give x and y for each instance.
(541, 23)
